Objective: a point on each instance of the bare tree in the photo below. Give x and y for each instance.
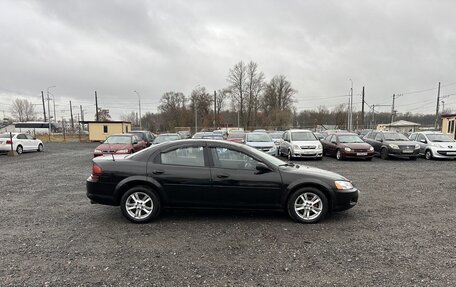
(237, 78)
(203, 101)
(278, 94)
(23, 110)
(103, 115)
(255, 85)
(131, 117)
(173, 110)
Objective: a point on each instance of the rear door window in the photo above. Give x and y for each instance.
(188, 156)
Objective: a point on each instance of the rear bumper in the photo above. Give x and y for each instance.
(101, 193)
(344, 200)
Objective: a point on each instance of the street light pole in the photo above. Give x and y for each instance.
(139, 100)
(351, 106)
(49, 110)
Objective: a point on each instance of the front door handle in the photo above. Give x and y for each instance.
(158, 171)
(222, 175)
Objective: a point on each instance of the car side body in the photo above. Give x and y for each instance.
(21, 142)
(214, 174)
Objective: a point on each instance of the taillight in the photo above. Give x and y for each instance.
(96, 171)
(9, 142)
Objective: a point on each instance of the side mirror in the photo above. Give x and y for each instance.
(423, 141)
(135, 142)
(262, 168)
(34, 138)
(380, 140)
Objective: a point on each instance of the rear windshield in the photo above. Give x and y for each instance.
(303, 136)
(259, 138)
(236, 135)
(165, 138)
(439, 138)
(140, 135)
(118, 140)
(350, 139)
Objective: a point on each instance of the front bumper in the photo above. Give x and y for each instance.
(403, 153)
(345, 199)
(439, 152)
(307, 153)
(354, 154)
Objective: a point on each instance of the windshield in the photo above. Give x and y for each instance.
(439, 138)
(271, 159)
(303, 136)
(236, 135)
(258, 138)
(118, 140)
(350, 139)
(395, 137)
(276, 135)
(165, 138)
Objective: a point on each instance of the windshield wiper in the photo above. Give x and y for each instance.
(287, 164)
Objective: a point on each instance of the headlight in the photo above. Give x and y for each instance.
(97, 151)
(371, 148)
(319, 146)
(296, 146)
(342, 185)
(123, 151)
(394, 146)
(272, 148)
(347, 149)
(417, 146)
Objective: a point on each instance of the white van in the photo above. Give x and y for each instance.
(300, 143)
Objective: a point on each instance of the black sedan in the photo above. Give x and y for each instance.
(215, 174)
(387, 144)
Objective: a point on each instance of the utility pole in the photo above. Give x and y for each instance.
(373, 116)
(71, 113)
(348, 114)
(436, 124)
(82, 113)
(443, 107)
(351, 107)
(139, 100)
(49, 110)
(44, 107)
(96, 106)
(53, 101)
(392, 109)
(362, 110)
(215, 108)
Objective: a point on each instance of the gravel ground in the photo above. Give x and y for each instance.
(401, 233)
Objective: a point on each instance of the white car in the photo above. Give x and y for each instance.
(435, 145)
(21, 143)
(300, 143)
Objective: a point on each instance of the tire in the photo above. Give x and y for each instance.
(384, 153)
(140, 204)
(428, 154)
(290, 157)
(301, 200)
(19, 149)
(40, 147)
(339, 155)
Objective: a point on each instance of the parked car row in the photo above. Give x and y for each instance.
(20, 143)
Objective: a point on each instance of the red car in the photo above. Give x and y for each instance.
(347, 145)
(237, 137)
(120, 144)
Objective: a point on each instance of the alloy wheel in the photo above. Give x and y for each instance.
(139, 205)
(428, 154)
(308, 206)
(19, 149)
(338, 155)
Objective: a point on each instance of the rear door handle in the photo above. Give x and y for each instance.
(158, 171)
(222, 175)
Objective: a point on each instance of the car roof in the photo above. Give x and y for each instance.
(127, 134)
(345, 134)
(299, 130)
(169, 134)
(430, 132)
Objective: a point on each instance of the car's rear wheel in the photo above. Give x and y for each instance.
(19, 149)
(140, 204)
(307, 205)
(40, 147)
(339, 155)
(428, 154)
(384, 153)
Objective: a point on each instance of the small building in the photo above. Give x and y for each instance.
(401, 126)
(99, 131)
(448, 124)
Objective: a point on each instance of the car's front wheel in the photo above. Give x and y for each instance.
(384, 153)
(140, 204)
(290, 155)
(339, 155)
(307, 205)
(428, 154)
(40, 147)
(19, 149)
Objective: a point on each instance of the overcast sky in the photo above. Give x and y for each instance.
(116, 47)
